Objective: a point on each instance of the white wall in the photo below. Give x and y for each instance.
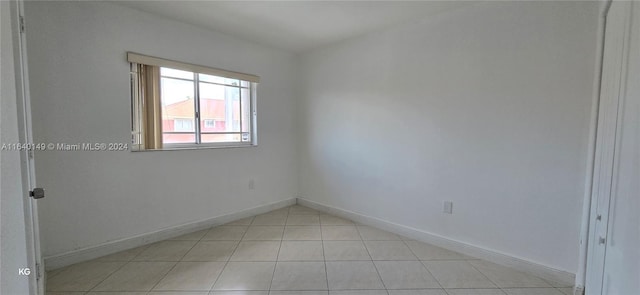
(80, 92)
(487, 106)
(622, 262)
(13, 243)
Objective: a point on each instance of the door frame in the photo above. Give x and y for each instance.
(614, 65)
(27, 161)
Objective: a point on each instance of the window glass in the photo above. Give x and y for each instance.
(190, 108)
(178, 111)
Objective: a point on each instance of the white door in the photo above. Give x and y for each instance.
(614, 232)
(27, 160)
(621, 273)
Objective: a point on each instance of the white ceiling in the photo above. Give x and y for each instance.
(294, 25)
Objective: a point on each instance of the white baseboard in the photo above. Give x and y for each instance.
(92, 252)
(559, 277)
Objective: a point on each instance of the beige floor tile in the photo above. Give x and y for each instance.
(302, 233)
(358, 275)
(405, 275)
(359, 292)
(303, 220)
(126, 255)
(246, 276)
(191, 276)
(284, 210)
(252, 269)
(340, 233)
(54, 272)
(123, 293)
(82, 276)
(300, 210)
(243, 221)
(211, 251)
(165, 251)
(475, 292)
(301, 251)
(299, 276)
(256, 251)
(506, 277)
(418, 292)
(532, 291)
(239, 293)
(270, 219)
(566, 291)
(298, 293)
(194, 236)
(226, 233)
(557, 284)
(345, 250)
(389, 250)
(334, 220)
(457, 274)
(426, 251)
(373, 234)
(264, 233)
(136, 276)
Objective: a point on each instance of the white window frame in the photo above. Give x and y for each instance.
(250, 80)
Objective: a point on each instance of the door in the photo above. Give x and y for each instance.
(27, 163)
(621, 274)
(614, 231)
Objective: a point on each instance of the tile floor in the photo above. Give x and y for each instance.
(294, 250)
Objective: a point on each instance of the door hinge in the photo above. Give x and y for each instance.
(602, 240)
(38, 272)
(21, 24)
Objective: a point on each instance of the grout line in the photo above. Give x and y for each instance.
(108, 276)
(119, 268)
(324, 256)
(198, 242)
(423, 266)
(275, 266)
(484, 275)
(182, 257)
(324, 260)
(374, 264)
(57, 271)
(230, 255)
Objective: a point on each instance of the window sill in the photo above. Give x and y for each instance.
(194, 147)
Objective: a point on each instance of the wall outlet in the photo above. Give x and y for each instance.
(251, 184)
(448, 207)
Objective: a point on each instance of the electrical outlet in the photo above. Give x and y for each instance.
(448, 207)
(251, 184)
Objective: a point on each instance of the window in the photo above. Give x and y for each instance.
(183, 125)
(177, 105)
(209, 123)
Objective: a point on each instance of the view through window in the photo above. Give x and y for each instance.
(177, 105)
(200, 108)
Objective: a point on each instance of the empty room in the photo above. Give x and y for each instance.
(320, 147)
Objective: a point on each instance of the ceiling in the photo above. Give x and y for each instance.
(294, 25)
